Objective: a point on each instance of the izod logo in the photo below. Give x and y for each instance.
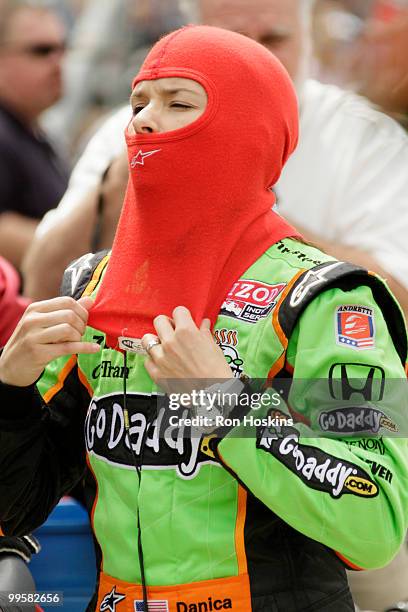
(251, 300)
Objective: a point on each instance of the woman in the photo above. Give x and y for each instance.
(231, 514)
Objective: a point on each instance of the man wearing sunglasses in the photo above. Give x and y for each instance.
(32, 177)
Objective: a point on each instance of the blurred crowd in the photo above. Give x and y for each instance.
(65, 72)
(363, 45)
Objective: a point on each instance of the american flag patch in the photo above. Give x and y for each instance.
(153, 605)
(355, 327)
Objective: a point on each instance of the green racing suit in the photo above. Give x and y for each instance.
(265, 512)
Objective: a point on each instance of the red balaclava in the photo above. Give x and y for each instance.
(197, 212)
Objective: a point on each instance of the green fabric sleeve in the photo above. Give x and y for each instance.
(339, 472)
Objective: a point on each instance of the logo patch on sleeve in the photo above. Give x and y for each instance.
(250, 300)
(355, 327)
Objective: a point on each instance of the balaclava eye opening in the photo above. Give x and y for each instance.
(197, 212)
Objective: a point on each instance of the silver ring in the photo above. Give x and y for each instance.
(153, 342)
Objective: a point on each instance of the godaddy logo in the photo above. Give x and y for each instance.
(315, 468)
(355, 419)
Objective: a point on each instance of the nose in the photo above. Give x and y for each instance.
(145, 121)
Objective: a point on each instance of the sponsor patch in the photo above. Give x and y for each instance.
(310, 280)
(154, 605)
(133, 345)
(250, 300)
(348, 380)
(227, 340)
(355, 327)
(379, 470)
(317, 469)
(110, 601)
(161, 444)
(373, 445)
(355, 419)
(106, 369)
(78, 268)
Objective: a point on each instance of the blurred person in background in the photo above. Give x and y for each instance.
(345, 187)
(336, 26)
(109, 40)
(12, 305)
(32, 176)
(381, 59)
(69, 11)
(363, 45)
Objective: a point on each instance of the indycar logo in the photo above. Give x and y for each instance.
(317, 469)
(355, 327)
(251, 300)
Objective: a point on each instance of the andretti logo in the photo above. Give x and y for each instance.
(251, 300)
(355, 327)
(317, 469)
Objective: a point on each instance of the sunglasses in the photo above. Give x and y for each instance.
(40, 49)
